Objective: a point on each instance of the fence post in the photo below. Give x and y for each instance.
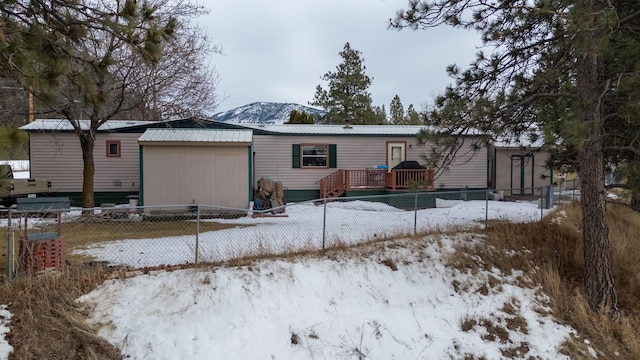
(197, 232)
(415, 215)
(9, 247)
(542, 204)
(324, 223)
(486, 208)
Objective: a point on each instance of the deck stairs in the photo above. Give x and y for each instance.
(333, 185)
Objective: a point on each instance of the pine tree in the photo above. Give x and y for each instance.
(552, 67)
(81, 60)
(412, 117)
(396, 111)
(297, 117)
(379, 116)
(347, 98)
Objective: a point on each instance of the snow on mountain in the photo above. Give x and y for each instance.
(267, 113)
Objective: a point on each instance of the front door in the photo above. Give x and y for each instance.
(396, 153)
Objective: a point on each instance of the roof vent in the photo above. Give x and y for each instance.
(347, 125)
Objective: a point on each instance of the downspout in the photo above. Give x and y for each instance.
(250, 164)
(495, 167)
(140, 169)
(533, 171)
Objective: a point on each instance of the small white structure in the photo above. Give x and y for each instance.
(519, 167)
(196, 166)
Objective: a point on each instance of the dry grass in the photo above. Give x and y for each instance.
(553, 250)
(44, 308)
(80, 234)
(47, 323)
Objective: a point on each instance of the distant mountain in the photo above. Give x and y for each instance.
(263, 113)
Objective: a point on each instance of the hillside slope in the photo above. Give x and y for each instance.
(267, 113)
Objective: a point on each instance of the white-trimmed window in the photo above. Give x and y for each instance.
(114, 148)
(315, 155)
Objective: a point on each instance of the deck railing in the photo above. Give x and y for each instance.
(334, 184)
(342, 180)
(415, 179)
(365, 179)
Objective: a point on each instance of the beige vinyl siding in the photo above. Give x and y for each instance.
(469, 169)
(503, 168)
(211, 175)
(273, 158)
(58, 157)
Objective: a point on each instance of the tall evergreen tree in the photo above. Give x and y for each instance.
(396, 111)
(379, 116)
(14, 103)
(347, 98)
(412, 117)
(80, 59)
(13, 143)
(547, 55)
(300, 117)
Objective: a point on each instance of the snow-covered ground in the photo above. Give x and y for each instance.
(20, 168)
(391, 302)
(382, 301)
(346, 222)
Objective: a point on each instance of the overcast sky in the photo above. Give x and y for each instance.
(277, 50)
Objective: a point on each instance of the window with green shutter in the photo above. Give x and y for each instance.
(333, 156)
(296, 155)
(314, 156)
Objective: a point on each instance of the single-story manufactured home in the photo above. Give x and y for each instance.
(218, 163)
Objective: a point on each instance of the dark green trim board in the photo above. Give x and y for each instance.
(455, 194)
(301, 195)
(295, 155)
(371, 192)
(533, 172)
(333, 156)
(140, 157)
(522, 186)
(449, 194)
(522, 178)
(495, 167)
(250, 180)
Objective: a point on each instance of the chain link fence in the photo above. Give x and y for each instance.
(148, 237)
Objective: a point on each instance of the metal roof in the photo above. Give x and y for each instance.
(197, 136)
(522, 141)
(65, 125)
(309, 129)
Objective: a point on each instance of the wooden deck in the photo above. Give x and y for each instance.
(341, 181)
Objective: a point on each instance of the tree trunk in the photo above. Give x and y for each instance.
(635, 201)
(598, 281)
(87, 142)
(598, 285)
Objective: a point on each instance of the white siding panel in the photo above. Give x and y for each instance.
(469, 169)
(58, 157)
(195, 174)
(273, 158)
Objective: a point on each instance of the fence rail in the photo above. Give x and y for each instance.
(141, 237)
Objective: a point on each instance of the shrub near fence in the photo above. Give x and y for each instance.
(141, 237)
